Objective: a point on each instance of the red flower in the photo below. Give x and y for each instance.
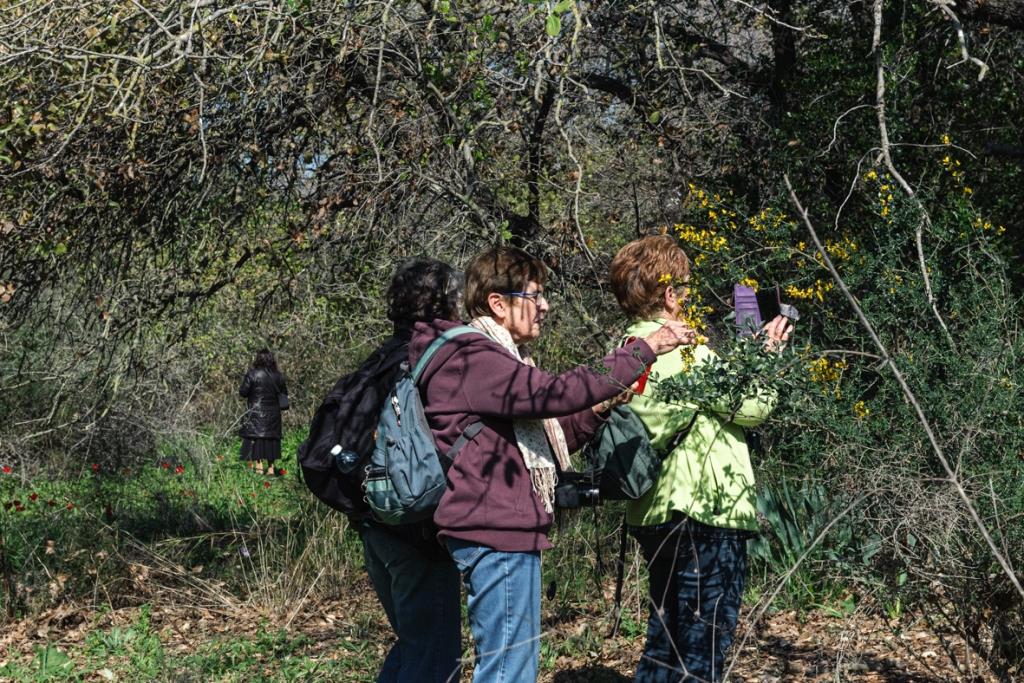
(70, 506)
(7, 469)
(165, 465)
(179, 469)
(33, 497)
(266, 484)
(95, 467)
(281, 472)
(51, 502)
(18, 507)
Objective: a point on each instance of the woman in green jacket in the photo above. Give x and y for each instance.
(694, 523)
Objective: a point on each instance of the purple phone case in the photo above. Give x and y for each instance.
(748, 314)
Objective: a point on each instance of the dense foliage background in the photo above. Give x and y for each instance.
(181, 183)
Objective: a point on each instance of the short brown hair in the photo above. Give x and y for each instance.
(501, 269)
(638, 273)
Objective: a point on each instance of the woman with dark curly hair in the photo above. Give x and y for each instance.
(266, 393)
(414, 578)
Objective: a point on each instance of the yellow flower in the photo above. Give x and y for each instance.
(860, 410)
(815, 291)
(945, 139)
(665, 279)
(693, 316)
(826, 372)
(703, 239)
(794, 292)
(821, 287)
(749, 282)
(840, 251)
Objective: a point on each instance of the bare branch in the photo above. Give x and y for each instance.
(883, 131)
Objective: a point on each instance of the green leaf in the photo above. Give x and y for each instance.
(562, 7)
(654, 117)
(50, 660)
(553, 26)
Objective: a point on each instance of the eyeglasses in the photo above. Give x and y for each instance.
(533, 296)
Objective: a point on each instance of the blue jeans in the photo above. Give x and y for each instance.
(697, 573)
(419, 591)
(504, 610)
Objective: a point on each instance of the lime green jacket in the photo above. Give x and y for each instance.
(708, 476)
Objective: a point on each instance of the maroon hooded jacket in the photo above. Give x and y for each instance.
(490, 500)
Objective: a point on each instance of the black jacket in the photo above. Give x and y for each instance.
(263, 418)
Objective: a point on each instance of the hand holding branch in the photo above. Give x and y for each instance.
(669, 336)
(622, 399)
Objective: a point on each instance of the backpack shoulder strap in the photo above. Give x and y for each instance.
(467, 435)
(472, 429)
(680, 436)
(447, 336)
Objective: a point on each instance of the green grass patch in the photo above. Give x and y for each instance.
(193, 515)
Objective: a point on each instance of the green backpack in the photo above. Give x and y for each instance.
(623, 463)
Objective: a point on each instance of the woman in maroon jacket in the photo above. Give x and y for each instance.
(496, 513)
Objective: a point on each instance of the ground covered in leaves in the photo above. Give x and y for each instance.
(181, 573)
(344, 640)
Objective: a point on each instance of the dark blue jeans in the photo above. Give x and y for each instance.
(419, 590)
(697, 573)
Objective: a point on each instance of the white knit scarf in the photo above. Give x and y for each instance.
(541, 442)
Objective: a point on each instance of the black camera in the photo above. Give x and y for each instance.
(577, 490)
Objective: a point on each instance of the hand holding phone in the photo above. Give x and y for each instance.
(755, 309)
(776, 333)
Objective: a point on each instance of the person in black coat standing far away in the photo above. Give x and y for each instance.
(267, 395)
